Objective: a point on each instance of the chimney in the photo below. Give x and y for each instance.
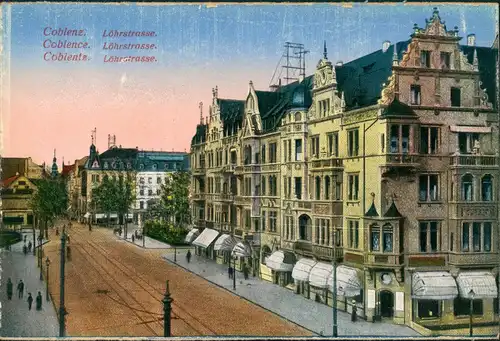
(385, 45)
(339, 63)
(471, 39)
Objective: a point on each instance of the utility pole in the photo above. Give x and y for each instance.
(40, 256)
(234, 273)
(334, 289)
(62, 309)
(167, 310)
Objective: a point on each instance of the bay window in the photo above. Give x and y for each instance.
(478, 235)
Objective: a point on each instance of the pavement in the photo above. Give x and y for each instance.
(148, 243)
(283, 302)
(15, 318)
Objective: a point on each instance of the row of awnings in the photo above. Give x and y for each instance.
(224, 242)
(440, 285)
(317, 274)
(104, 216)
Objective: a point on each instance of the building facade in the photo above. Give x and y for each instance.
(385, 166)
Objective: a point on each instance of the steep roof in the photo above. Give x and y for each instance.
(397, 108)
(6, 183)
(372, 211)
(392, 212)
(200, 135)
(66, 169)
(119, 153)
(231, 110)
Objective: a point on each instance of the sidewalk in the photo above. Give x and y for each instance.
(16, 319)
(283, 302)
(149, 243)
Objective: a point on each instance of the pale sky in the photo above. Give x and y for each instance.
(155, 105)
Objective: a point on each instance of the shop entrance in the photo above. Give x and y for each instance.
(386, 304)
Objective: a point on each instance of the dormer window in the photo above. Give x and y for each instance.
(445, 60)
(129, 165)
(425, 58)
(415, 94)
(141, 166)
(106, 165)
(155, 166)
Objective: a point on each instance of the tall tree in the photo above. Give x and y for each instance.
(49, 201)
(175, 198)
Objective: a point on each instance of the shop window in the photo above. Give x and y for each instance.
(461, 307)
(429, 309)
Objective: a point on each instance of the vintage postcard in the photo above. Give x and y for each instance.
(249, 169)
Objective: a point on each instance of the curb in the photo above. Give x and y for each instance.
(242, 297)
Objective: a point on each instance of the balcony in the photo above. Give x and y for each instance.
(326, 252)
(473, 258)
(270, 167)
(198, 196)
(303, 247)
(488, 161)
(251, 168)
(326, 164)
(226, 197)
(473, 210)
(383, 259)
(229, 169)
(199, 171)
(402, 160)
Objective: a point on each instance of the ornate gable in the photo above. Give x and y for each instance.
(435, 27)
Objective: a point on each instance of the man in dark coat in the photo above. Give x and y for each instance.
(230, 272)
(30, 301)
(30, 246)
(188, 256)
(20, 289)
(39, 301)
(245, 271)
(10, 288)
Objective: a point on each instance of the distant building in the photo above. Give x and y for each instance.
(16, 193)
(22, 165)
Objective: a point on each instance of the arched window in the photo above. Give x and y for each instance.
(467, 187)
(327, 187)
(375, 237)
(298, 116)
(487, 188)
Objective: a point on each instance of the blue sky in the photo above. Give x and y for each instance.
(235, 34)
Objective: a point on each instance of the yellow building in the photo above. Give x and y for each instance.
(16, 194)
(386, 164)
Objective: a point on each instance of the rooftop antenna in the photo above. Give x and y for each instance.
(291, 63)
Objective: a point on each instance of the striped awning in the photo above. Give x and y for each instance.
(302, 269)
(348, 283)
(281, 261)
(206, 238)
(225, 243)
(477, 285)
(434, 285)
(242, 250)
(318, 277)
(191, 236)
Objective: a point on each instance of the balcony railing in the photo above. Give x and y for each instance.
(402, 159)
(252, 168)
(470, 258)
(329, 163)
(474, 160)
(270, 167)
(388, 259)
(326, 252)
(229, 168)
(303, 246)
(198, 196)
(226, 197)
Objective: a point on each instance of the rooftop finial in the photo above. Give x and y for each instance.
(54, 153)
(325, 51)
(201, 112)
(216, 91)
(475, 62)
(395, 60)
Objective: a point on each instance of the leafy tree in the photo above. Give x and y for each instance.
(175, 198)
(49, 201)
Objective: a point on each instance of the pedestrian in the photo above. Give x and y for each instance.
(9, 288)
(25, 249)
(245, 271)
(133, 239)
(20, 289)
(30, 301)
(68, 252)
(30, 246)
(57, 231)
(90, 226)
(25, 239)
(230, 272)
(188, 256)
(39, 301)
(67, 238)
(354, 310)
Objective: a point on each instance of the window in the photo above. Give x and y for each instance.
(415, 94)
(387, 238)
(428, 187)
(273, 186)
(298, 150)
(467, 187)
(263, 185)
(476, 237)
(445, 60)
(487, 236)
(263, 220)
(400, 138)
(158, 192)
(429, 140)
(318, 187)
(465, 237)
(141, 192)
(394, 139)
(150, 180)
(455, 94)
(158, 180)
(375, 238)
(461, 307)
(425, 58)
(338, 188)
(353, 142)
(272, 152)
(141, 205)
(327, 187)
(382, 142)
(150, 192)
(298, 187)
(481, 236)
(333, 144)
(263, 154)
(315, 146)
(487, 188)
(452, 241)
(466, 142)
(429, 236)
(273, 218)
(429, 309)
(353, 233)
(353, 190)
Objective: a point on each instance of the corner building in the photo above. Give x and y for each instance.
(387, 164)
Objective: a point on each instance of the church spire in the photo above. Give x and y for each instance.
(54, 165)
(325, 51)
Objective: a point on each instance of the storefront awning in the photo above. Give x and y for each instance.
(318, 277)
(100, 216)
(242, 250)
(87, 215)
(113, 216)
(281, 261)
(302, 269)
(477, 285)
(206, 238)
(191, 236)
(470, 129)
(348, 283)
(225, 243)
(434, 285)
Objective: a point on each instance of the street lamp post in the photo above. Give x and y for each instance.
(167, 310)
(234, 273)
(471, 308)
(40, 257)
(334, 288)
(62, 310)
(47, 263)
